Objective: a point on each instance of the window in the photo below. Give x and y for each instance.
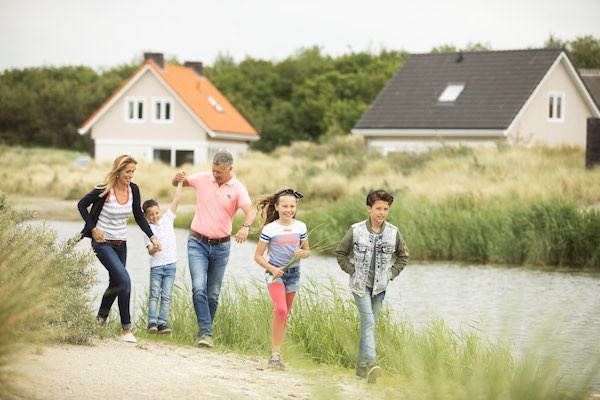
(556, 106)
(162, 110)
(215, 104)
(134, 109)
(451, 93)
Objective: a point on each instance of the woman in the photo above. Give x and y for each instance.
(106, 224)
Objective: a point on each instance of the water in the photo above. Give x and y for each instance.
(510, 303)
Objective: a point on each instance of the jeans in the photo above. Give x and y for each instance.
(161, 287)
(207, 267)
(290, 279)
(113, 258)
(368, 308)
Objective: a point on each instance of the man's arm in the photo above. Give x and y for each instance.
(242, 234)
(180, 176)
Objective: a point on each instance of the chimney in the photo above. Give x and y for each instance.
(196, 66)
(156, 57)
(459, 57)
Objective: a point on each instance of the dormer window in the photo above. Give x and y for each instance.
(162, 109)
(134, 109)
(451, 93)
(214, 103)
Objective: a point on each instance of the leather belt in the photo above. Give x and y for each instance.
(115, 242)
(210, 241)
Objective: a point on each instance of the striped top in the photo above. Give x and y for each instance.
(283, 241)
(115, 215)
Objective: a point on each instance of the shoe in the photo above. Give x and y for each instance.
(128, 337)
(204, 341)
(101, 321)
(152, 328)
(374, 372)
(275, 361)
(361, 372)
(164, 329)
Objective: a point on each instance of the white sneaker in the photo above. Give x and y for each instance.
(128, 337)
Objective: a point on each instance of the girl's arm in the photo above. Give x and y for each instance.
(259, 257)
(304, 250)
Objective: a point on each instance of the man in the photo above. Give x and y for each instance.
(218, 197)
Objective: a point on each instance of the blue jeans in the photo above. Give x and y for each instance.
(207, 267)
(113, 258)
(368, 308)
(162, 278)
(290, 279)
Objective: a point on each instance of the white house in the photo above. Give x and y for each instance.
(170, 113)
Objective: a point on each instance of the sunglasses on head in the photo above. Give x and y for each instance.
(297, 195)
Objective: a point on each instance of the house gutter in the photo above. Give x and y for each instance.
(482, 133)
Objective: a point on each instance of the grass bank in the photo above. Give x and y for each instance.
(512, 205)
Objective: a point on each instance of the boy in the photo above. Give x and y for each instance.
(163, 262)
(374, 243)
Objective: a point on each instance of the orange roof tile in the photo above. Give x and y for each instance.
(198, 93)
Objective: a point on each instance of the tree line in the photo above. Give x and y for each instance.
(303, 97)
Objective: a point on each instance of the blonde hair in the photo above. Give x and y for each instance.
(111, 178)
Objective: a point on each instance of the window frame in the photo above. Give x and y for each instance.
(163, 102)
(137, 101)
(553, 108)
(451, 92)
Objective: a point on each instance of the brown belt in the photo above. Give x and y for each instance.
(210, 241)
(115, 242)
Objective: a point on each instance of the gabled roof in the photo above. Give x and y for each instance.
(196, 94)
(497, 84)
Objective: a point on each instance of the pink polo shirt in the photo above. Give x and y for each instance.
(216, 206)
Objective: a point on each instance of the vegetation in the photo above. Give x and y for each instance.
(303, 97)
(452, 203)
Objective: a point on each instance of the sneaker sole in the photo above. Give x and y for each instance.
(373, 374)
(164, 332)
(152, 331)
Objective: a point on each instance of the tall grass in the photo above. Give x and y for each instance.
(43, 288)
(431, 363)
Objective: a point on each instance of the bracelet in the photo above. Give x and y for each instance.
(244, 225)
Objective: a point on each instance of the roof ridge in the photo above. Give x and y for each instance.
(540, 49)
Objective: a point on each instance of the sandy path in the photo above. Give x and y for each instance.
(110, 369)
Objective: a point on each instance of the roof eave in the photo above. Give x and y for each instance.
(474, 132)
(234, 136)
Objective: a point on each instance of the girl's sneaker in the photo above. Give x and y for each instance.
(275, 361)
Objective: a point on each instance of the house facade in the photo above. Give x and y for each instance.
(168, 113)
(480, 98)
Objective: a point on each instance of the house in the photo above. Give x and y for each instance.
(480, 98)
(591, 78)
(170, 113)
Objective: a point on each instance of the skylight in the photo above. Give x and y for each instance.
(215, 104)
(451, 93)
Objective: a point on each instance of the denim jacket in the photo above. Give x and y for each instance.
(391, 256)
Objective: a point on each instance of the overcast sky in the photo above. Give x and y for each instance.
(107, 33)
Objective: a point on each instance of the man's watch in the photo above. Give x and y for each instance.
(245, 225)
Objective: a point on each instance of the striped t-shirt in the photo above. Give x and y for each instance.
(283, 241)
(115, 215)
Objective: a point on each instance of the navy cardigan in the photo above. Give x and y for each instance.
(93, 198)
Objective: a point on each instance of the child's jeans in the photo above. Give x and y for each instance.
(161, 287)
(368, 308)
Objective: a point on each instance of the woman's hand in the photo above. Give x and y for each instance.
(98, 235)
(155, 243)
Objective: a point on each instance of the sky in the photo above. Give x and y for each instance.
(103, 34)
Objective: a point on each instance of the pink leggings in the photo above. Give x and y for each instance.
(282, 305)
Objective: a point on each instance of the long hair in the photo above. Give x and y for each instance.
(265, 206)
(111, 178)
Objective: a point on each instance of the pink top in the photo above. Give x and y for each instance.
(216, 206)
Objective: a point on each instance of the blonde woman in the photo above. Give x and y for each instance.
(112, 202)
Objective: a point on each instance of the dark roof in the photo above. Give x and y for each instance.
(591, 78)
(497, 85)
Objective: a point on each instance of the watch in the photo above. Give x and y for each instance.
(244, 225)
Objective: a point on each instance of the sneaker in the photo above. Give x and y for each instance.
(275, 361)
(374, 372)
(128, 337)
(361, 372)
(164, 329)
(101, 321)
(204, 341)
(152, 328)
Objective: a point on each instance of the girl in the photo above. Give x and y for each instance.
(287, 241)
(112, 202)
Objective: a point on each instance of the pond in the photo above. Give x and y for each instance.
(502, 302)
